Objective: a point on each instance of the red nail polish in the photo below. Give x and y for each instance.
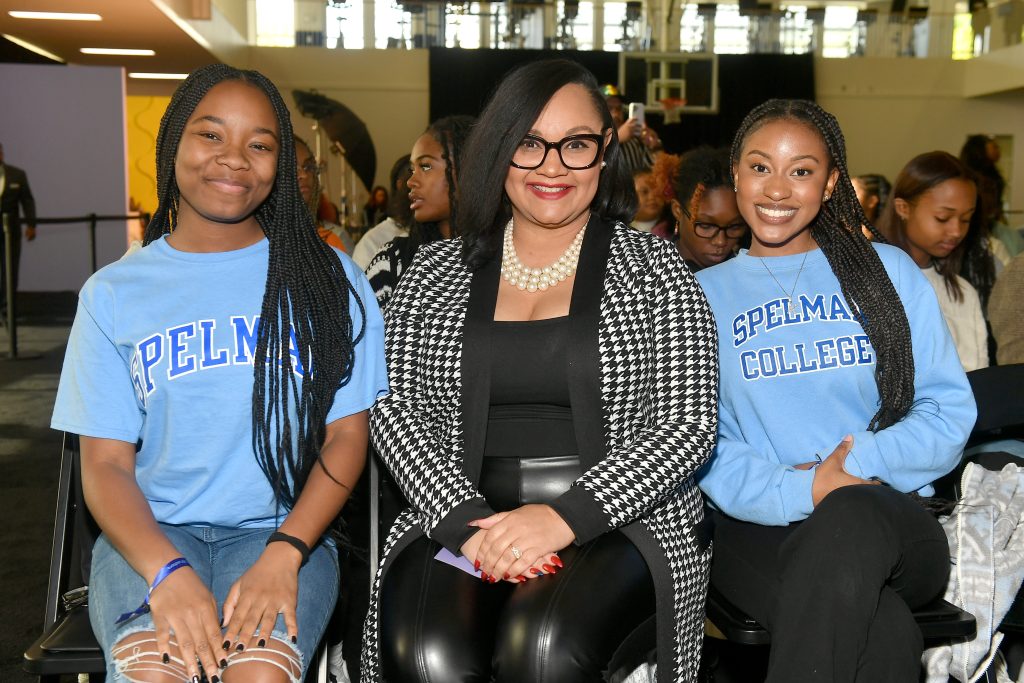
(506, 576)
(557, 561)
(476, 565)
(549, 569)
(523, 578)
(483, 576)
(536, 571)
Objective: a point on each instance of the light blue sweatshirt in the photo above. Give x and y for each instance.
(796, 379)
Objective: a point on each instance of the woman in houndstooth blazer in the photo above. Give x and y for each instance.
(546, 432)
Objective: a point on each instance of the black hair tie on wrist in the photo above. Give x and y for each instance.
(296, 543)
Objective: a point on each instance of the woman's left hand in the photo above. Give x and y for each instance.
(536, 531)
(268, 588)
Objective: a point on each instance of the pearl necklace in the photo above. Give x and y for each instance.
(538, 279)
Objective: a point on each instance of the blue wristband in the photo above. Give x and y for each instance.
(165, 571)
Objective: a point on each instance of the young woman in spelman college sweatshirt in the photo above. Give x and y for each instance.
(841, 393)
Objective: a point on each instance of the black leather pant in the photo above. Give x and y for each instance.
(439, 623)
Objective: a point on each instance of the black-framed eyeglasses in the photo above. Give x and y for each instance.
(576, 152)
(709, 231)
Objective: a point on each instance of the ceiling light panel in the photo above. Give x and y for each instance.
(157, 76)
(59, 16)
(129, 52)
(32, 47)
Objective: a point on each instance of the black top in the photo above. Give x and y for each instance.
(530, 412)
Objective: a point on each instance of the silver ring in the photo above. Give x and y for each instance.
(515, 552)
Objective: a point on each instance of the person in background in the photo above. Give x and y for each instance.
(653, 214)
(709, 225)
(981, 154)
(376, 207)
(840, 394)
(640, 144)
(934, 208)
(309, 185)
(1006, 312)
(15, 198)
(397, 222)
(873, 190)
(436, 157)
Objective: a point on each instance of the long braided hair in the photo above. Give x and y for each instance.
(451, 132)
(864, 282)
(305, 303)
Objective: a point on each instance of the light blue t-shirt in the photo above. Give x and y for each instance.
(161, 355)
(795, 379)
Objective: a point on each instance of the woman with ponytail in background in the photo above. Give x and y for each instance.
(841, 393)
(220, 379)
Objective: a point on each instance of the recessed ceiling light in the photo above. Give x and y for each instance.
(116, 51)
(32, 48)
(62, 16)
(157, 76)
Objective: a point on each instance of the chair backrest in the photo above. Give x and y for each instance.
(74, 533)
(999, 393)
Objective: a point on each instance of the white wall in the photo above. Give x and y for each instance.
(890, 110)
(65, 126)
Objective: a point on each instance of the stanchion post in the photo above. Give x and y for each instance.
(12, 331)
(92, 240)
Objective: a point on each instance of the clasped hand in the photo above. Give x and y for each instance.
(536, 531)
(183, 604)
(831, 473)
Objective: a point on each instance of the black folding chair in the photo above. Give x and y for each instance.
(67, 645)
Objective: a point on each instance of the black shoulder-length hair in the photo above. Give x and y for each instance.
(511, 112)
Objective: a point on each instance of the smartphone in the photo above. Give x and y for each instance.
(636, 111)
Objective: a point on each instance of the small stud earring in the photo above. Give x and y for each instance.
(604, 164)
(827, 195)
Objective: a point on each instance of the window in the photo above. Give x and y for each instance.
(840, 34)
(345, 25)
(614, 26)
(275, 23)
(462, 25)
(691, 30)
(731, 31)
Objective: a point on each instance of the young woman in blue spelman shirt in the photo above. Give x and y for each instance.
(840, 394)
(220, 379)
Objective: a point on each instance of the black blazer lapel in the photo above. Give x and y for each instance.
(476, 369)
(584, 354)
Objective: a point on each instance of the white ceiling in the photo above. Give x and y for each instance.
(125, 24)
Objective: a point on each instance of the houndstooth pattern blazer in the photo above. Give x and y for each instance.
(643, 384)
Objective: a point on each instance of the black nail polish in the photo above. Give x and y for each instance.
(262, 643)
(239, 647)
(214, 679)
(295, 640)
(223, 663)
(165, 658)
(226, 645)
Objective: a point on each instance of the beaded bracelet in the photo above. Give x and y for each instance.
(165, 571)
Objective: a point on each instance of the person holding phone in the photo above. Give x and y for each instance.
(639, 144)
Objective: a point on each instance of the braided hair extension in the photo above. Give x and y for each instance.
(700, 171)
(864, 282)
(451, 132)
(300, 312)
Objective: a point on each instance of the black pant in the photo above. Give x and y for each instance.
(440, 624)
(836, 590)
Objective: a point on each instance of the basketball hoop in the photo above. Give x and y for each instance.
(673, 108)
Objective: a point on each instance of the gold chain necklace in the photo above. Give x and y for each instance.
(789, 294)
